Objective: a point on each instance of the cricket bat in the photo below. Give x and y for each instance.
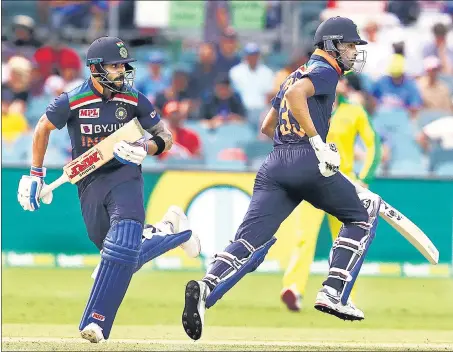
(405, 227)
(97, 156)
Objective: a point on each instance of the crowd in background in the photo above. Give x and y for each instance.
(214, 105)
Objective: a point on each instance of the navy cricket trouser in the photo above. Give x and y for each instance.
(101, 207)
(288, 176)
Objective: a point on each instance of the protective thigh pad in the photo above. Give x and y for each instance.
(160, 243)
(349, 239)
(119, 258)
(236, 267)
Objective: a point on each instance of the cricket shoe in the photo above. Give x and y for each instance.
(175, 221)
(292, 299)
(194, 308)
(93, 333)
(328, 301)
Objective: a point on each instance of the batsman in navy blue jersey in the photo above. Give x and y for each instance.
(111, 198)
(302, 166)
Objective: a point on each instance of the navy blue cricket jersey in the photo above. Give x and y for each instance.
(324, 73)
(90, 118)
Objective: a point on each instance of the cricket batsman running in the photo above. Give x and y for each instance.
(349, 121)
(111, 198)
(302, 166)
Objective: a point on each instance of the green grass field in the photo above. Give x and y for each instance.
(42, 308)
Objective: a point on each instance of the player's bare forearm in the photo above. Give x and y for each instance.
(270, 123)
(163, 132)
(297, 96)
(41, 140)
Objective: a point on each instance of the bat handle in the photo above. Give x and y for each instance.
(51, 186)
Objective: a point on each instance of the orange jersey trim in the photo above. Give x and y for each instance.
(329, 59)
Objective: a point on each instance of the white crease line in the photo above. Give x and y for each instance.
(443, 346)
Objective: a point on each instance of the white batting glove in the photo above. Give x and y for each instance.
(328, 156)
(130, 153)
(30, 188)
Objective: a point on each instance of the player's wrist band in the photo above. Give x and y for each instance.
(160, 144)
(38, 171)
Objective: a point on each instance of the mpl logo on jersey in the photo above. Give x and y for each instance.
(89, 113)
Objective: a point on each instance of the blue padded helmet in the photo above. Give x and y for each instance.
(110, 50)
(337, 30)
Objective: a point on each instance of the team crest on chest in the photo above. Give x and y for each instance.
(121, 113)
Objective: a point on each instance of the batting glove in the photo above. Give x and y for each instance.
(328, 156)
(30, 188)
(130, 153)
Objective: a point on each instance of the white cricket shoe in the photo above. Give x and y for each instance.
(194, 308)
(175, 221)
(328, 301)
(93, 333)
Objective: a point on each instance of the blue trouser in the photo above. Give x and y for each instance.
(288, 176)
(114, 214)
(102, 207)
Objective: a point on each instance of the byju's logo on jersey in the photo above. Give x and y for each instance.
(86, 128)
(89, 113)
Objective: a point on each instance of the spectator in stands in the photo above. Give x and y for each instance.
(440, 130)
(227, 53)
(298, 58)
(407, 11)
(157, 80)
(186, 143)
(179, 91)
(217, 20)
(223, 106)
(14, 124)
(18, 83)
(396, 90)
(54, 86)
(378, 50)
(438, 47)
(202, 78)
(88, 15)
(23, 40)
(435, 93)
(253, 81)
(54, 57)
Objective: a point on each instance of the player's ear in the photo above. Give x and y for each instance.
(92, 68)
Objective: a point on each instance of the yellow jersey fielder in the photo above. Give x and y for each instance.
(348, 121)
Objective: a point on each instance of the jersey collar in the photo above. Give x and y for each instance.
(329, 59)
(95, 87)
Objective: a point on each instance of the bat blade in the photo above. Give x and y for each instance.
(102, 152)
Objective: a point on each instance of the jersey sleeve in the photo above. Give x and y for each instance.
(146, 113)
(58, 112)
(324, 80)
(372, 143)
(414, 98)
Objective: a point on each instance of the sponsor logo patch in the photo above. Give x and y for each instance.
(153, 114)
(98, 316)
(87, 164)
(89, 113)
(86, 128)
(107, 128)
(121, 113)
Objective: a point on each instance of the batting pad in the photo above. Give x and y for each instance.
(159, 244)
(237, 268)
(119, 258)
